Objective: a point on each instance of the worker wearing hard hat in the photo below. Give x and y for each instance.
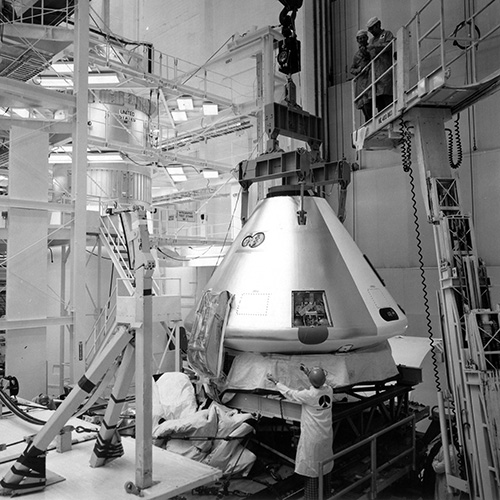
(361, 70)
(316, 432)
(382, 61)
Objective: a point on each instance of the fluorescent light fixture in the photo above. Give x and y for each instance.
(66, 81)
(54, 81)
(179, 116)
(65, 68)
(175, 170)
(103, 78)
(185, 103)
(60, 158)
(179, 178)
(22, 112)
(104, 157)
(210, 108)
(91, 158)
(210, 173)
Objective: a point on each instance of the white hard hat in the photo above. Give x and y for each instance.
(372, 22)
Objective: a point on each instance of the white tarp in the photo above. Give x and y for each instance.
(175, 418)
(411, 351)
(249, 370)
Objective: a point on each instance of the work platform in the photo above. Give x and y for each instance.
(436, 64)
(69, 474)
(374, 434)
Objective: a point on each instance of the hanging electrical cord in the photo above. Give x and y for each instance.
(456, 127)
(228, 229)
(231, 37)
(187, 259)
(406, 161)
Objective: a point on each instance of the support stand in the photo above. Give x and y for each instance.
(28, 474)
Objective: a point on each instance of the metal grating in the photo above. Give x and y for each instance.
(25, 67)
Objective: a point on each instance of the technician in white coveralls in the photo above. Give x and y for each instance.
(316, 432)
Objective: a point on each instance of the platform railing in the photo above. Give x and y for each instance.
(106, 321)
(439, 46)
(173, 72)
(39, 12)
(405, 465)
(371, 89)
(103, 325)
(174, 224)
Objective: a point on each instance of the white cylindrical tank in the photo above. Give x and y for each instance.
(119, 117)
(124, 183)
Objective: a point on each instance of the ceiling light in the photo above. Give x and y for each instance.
(103, 78)
(185, 103)
(104, 157)
(66, 81)
(179, 178)
(64, 67)
(60, 158)
(179, 116)
(210, 108)
(175, 170)
(54, 81)
(91, 158)
(209, 173)
(22, 112)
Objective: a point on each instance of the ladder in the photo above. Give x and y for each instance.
(116, 235)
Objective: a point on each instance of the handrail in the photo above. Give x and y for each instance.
(172, 72)
(371, 88)
(123, 267)
(42, 12)
(374, 469)
(436, 55)
(101, 327)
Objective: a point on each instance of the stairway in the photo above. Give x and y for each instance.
(115, 236)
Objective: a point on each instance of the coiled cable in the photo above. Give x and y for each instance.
(456, 127)
(406, 162)
(14, 408)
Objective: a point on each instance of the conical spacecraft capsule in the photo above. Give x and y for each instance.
(302, 288)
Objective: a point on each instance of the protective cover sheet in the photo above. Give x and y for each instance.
(207, 337)
(248, 371)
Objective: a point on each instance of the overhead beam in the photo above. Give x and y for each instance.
(34, 96)
(36, 205)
